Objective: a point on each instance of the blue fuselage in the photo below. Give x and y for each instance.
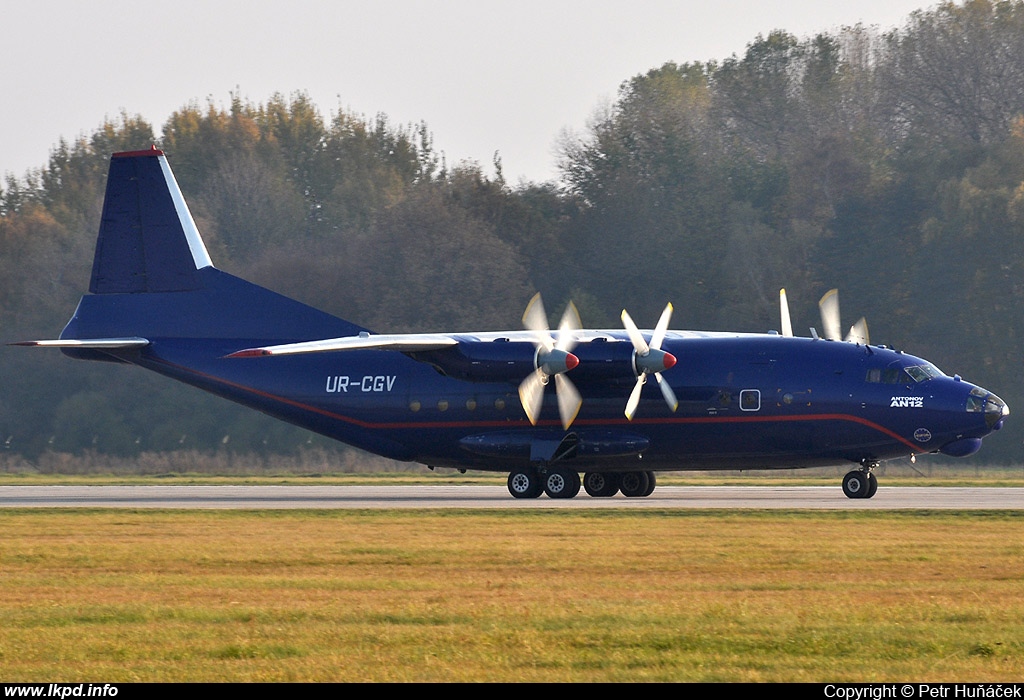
(745, 401)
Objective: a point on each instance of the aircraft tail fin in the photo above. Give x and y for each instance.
(152, 276)
(148, 241)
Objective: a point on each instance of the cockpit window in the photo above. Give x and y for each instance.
(922, 373)
(902, 375)
(976, 400)
(888, 375)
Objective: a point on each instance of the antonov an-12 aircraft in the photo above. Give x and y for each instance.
(483, 401)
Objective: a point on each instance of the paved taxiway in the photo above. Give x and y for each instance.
(381, 497)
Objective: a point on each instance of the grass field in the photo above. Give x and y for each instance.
(610, 595)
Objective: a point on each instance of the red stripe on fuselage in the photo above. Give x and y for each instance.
(405, 425)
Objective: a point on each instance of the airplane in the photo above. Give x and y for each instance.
(481, 400)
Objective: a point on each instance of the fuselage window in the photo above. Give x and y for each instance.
(750, 400)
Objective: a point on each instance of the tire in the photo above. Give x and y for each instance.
(652, 483)
(634, 484)
(560, 482)
(576, 483)
(601, 484)
(524, 483)
(855, 484)
(872, 485)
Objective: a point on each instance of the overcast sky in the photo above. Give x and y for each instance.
(485, 75)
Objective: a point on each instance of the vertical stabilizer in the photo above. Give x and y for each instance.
(152, 276)
(148, 241)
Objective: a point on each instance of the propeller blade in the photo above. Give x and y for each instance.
(535, 319)
(859, 333)
(531, 394)
(829, 307)
(634, 397)
(635, 337)
(568, 327)
(787, 325)
(666, 391)
(662, 327)
(569, 400)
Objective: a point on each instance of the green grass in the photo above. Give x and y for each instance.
(538, 595)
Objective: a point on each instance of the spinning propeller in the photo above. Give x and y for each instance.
(553, 359)
(649, 359)
(829, 307)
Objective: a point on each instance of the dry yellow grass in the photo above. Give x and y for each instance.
(510, 596)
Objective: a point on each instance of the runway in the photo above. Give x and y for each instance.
(477, 497)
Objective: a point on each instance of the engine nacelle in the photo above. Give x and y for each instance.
(510, 361)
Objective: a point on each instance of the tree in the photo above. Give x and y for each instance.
(758, 95)
(654, 197)
(956, 71)
(436, 267)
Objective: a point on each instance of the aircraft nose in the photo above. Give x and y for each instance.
(996, 411)
(994, 408)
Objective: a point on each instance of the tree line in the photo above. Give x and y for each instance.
(889, 165)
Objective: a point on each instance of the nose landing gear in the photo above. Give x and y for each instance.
(861, 483)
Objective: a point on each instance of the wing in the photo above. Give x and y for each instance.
(409, 342)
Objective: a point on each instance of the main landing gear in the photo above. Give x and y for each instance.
(861, 483)
(561, 482)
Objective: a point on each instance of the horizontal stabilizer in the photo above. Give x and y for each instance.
(87, 344)
(409, 342)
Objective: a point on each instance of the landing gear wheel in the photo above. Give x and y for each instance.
(856, 484)
(560, 482)
(635, 484)
(524, 483)
(601, 484)
(652, 482)
(576, 483)
(872, 485)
